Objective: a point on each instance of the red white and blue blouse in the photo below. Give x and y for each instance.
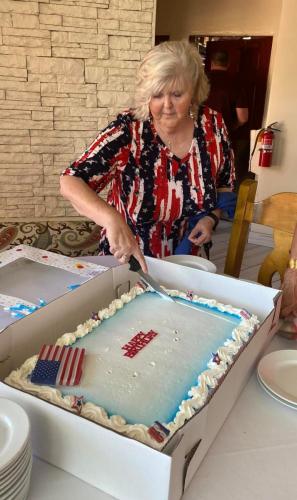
(155, 191)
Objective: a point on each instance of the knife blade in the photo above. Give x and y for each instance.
(135, 267)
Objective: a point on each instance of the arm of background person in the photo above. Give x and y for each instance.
(88, 204)
(242, 115)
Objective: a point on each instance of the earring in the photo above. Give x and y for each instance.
(192, 113)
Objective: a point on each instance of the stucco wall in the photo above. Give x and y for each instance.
(66, 68)
(180, 19)
(282, 107)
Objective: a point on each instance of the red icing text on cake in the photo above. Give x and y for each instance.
(138, 342)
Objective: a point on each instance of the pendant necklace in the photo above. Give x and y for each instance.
(168, 142)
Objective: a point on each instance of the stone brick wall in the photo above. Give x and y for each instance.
(66, 68)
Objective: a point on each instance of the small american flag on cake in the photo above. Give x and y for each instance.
(58, 365)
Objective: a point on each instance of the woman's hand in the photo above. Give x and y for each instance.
(202, 232)
(121, 239)
(122, 242)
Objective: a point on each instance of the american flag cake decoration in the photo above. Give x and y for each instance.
(58, 365)
(158, 432)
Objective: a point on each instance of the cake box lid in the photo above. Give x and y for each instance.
(31, 278)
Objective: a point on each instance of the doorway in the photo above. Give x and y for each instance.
(249, 59)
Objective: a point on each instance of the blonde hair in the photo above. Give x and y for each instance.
(165, 65)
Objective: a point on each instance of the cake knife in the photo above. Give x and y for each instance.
(135, 267)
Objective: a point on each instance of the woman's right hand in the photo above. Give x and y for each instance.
(121, 239)
(122, 242)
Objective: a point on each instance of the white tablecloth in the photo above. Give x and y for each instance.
(254, 456)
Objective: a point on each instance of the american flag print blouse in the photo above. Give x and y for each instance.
(155, 191)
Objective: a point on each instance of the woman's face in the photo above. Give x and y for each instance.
(170, 107)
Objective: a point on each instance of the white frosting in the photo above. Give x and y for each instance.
(207, 381)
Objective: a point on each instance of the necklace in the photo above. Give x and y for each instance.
(163, 137)
(173, 142)
(168, 143)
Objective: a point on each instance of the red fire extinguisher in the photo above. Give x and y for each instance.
(266, 136)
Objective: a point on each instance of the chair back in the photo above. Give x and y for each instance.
(279, 212)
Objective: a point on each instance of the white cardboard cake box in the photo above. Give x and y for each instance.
(64, 308)
(123, 467)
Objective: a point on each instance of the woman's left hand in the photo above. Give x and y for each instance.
(202, 232)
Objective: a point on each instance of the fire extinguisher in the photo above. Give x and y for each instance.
(266, 138)
(266, 147)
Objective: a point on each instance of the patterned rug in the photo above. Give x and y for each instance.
(73, 238)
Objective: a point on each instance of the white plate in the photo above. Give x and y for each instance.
(274, 396)
(192, 261)
(14, 464)
(278, 372)
(16, 474)
(14, 431)
(11, 478)
(23, 493)
(21, 487)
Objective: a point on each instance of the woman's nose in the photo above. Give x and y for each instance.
(167, 101)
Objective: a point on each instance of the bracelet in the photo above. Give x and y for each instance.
(293, 263)
(215, 218)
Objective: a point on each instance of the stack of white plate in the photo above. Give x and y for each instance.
(277, 375)
(15, 451)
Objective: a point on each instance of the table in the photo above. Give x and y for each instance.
(254, 456)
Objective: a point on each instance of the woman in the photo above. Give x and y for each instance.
(164, 161)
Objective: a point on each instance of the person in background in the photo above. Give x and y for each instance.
(229, 98)
(164, 161)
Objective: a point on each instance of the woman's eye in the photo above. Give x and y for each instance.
(157, 96)
(177, 94)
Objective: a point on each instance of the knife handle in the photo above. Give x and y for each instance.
(134, 264)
